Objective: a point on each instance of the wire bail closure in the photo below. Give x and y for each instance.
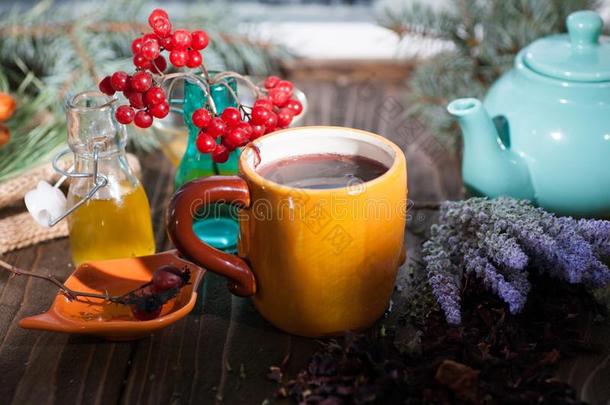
(100, 181)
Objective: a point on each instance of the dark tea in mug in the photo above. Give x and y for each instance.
(322, 171)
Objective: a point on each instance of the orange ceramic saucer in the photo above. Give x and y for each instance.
(93, 316)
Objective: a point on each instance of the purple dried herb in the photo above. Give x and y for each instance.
(499, 240)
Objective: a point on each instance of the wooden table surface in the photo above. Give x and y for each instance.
(221, 352)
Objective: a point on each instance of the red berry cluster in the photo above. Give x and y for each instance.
(270, 112)
(147, 100)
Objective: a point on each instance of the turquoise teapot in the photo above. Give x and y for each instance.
(543, 130)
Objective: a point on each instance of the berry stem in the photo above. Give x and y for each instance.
(201, 82)
(68, 292)
(255, 89)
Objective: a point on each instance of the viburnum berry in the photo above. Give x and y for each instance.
(150, 49)
(140, 61)
(231, 116)
(162, 27)
(199, 40)
(271, 82)
(235, 138)
(259, 115)
(156, 13)
(158, 65)
(153, 96)
(141, 82)
(119, 80)
(246, 127)
(136, 45)
(264, 102)
(143, 119)
(205, 143)
(201, 118)
(220, 154)
(295, 106)
(166, 43)
(152, 37)
(258, 130)
(271, 123)
(284, 117)
(285, 86)
(159, 110)
(181, 39)
(124, 114)
(105, 86)
(178, 58)
(217, 127)
(136, 100)
(194, 59)
(279, 97)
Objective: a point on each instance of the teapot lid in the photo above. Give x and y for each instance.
(580, 56)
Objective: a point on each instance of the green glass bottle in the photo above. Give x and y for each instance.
(217, 226)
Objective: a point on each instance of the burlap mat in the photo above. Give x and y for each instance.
(20, 230)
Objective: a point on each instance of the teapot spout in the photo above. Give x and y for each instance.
(489, 168)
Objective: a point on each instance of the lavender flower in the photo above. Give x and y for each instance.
(443, 276)
(500, 240)
(597, 233)
(492, 279)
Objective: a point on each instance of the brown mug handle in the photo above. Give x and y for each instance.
(179, 224)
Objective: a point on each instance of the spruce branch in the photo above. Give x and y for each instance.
(485, 36)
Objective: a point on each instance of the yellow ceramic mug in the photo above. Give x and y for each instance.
(317, 261)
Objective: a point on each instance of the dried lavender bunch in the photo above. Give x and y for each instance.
(500, 240)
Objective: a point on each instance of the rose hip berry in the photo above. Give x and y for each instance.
(167, 277)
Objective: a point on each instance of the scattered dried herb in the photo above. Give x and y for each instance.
(493, 357)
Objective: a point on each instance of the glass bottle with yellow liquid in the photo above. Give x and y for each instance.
(111, 218)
